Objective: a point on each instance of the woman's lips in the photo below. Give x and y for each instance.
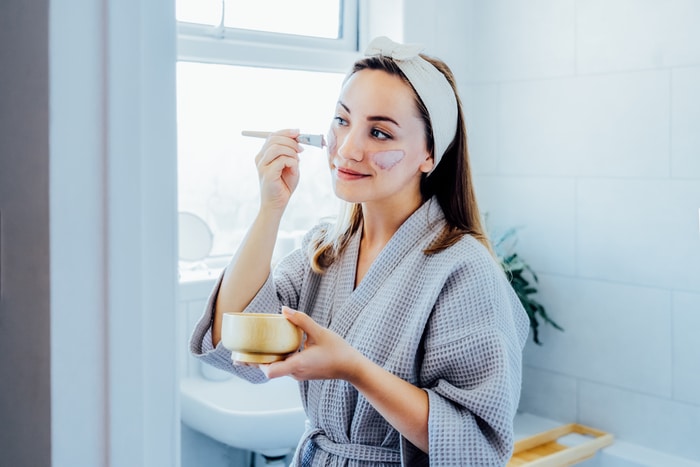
(349, 174)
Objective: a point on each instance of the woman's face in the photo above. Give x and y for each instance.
(376, 143)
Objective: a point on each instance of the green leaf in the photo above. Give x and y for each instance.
(516, 269)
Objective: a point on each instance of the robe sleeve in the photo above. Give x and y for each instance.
(471, 368)
(280, 289)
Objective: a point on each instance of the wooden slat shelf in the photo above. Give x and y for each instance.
(544, 450)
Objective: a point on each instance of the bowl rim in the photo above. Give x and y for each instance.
(253, 314)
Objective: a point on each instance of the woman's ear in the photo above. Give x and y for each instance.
(427, 165)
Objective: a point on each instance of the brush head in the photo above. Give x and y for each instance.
(312, 140)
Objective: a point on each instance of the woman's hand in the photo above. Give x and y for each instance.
(278, 169)
(326, 355)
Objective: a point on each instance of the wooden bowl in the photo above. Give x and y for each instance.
(259, 337)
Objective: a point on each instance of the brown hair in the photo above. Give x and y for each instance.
(450, 182)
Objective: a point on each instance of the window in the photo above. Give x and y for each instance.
(314, 18)
(240, 70)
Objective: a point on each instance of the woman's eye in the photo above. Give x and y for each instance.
(379, 134)
(340, 120)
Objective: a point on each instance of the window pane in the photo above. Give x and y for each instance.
(198, 11)
(316, 18)
(217, 178)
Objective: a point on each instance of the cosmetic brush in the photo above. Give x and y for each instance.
(312, 140)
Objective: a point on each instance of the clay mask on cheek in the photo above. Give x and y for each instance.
(386, 160)
(332, 141)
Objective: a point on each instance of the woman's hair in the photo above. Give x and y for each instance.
(450, 182)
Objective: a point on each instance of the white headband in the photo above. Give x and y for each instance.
(431, 86)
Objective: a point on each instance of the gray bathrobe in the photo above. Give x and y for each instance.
(448, 323)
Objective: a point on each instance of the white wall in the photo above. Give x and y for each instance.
(113, 233)
(88, 234)
(584, 119)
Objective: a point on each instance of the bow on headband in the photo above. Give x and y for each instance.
(430, 84)
(388, 48)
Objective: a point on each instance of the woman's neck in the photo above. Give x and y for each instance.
(381, 220)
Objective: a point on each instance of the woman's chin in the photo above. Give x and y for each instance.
(349, 198)
(345, 194)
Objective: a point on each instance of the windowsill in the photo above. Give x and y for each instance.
(195, 289)
(196, 280)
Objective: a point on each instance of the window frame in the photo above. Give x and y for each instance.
(242, 47)
(199, 43)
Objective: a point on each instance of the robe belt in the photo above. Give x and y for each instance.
(360, 452)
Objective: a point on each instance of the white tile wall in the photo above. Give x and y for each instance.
(611, 126)
(426, 23)
(383, 18)
(653, 422)
(480, 104)
(544, 211)
(549, 394)
(584, 124)
(420, 23)
(453, 47)
(686, 347)
(522, 40)
(632, 35)
(640, 232)
(685, 123)
(608, 327)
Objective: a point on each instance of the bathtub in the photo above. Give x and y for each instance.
(622, 454)
(618, 454)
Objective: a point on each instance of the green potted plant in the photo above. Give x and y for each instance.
(523, 280)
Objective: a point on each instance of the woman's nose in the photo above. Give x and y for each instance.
(350, 145)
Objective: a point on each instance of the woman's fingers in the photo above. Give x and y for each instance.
(304, 321)
(298, 365)
(281, 167)
(278, 168)
(280, 152)
(326, 355)
(269, 154)
(265, 368)
(283, 368)
(283, 140)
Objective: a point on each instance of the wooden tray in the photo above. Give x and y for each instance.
(544, 450)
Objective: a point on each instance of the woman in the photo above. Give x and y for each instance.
(414, 336)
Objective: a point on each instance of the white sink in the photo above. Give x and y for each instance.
(266, 418)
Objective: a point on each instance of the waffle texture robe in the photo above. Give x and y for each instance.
(448, 323)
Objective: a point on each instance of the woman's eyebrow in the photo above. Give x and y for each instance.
(372, 118)
(382, 118)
